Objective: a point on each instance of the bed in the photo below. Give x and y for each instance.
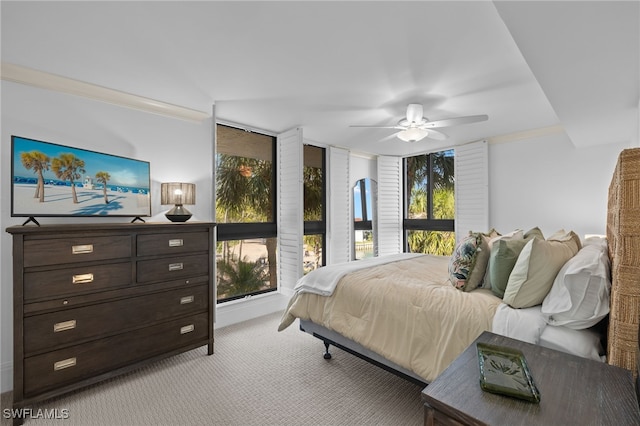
(414, 314)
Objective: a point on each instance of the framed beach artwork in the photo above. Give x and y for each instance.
(49, 179)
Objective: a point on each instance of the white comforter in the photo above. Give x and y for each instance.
(404, 310)
(323, 281)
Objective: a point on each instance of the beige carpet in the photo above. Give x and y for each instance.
(257, 376)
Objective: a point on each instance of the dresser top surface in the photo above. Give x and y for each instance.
(133, 227)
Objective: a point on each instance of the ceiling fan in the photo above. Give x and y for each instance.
(416, 127)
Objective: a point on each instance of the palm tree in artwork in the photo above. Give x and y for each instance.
(103, 178)
(68, 167)
(39, 162)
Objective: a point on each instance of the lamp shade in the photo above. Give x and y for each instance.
(178, 193)
(413, 134)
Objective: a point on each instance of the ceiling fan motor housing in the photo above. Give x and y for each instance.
(414, 113)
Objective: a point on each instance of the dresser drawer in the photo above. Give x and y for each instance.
(171, 268)
(172, 243)
(76, 280)
(69, 326)
(39, 252)
(69, 365)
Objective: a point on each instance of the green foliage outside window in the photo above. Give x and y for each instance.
(442, 199)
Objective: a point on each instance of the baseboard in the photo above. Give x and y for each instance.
(253, 307)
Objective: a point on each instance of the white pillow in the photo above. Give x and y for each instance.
(579, 297)
(583, 343)
(536, 268)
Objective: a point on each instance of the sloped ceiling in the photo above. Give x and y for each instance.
(533, 67)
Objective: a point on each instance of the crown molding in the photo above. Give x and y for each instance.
(526, 134)
(44, 80)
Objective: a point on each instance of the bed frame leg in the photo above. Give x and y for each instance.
(326, 355)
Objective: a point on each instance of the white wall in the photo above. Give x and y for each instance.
(177, 151)
(362, 166)
(549, 183)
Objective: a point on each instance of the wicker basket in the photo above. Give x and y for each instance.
(623, 233)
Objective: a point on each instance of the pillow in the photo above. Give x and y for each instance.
(579, 297)
(482, 260)
(533, 232)
(503, 259)
(504, 253)
(465, 257)
(583, 343)
(521, 324)
(536, 268)
(597, 241)
(462, 260)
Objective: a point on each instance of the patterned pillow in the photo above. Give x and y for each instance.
(464, 259)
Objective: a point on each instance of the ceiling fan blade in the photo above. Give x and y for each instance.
(388, 138)
(379, 127)
(439, 136)
(455, 121)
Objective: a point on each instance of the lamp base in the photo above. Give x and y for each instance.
(178, 214)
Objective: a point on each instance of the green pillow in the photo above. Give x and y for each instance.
(504, 254)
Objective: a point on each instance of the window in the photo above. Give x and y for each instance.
(245, 213)
(430, 203)
(363, 218)
(315, 225)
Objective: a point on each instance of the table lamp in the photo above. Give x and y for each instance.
(179, 194)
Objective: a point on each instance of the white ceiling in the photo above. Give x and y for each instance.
(533, 67)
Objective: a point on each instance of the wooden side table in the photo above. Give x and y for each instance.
(573, 391)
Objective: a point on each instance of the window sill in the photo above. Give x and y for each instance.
(250, 307)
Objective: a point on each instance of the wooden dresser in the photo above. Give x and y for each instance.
(97, 300)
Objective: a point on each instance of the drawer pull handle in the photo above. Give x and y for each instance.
(176, 266)
(187, 329)
(65, 363)
(82, 249)
(186, 299)
(178, 242)
(82, 278)
(64, 326)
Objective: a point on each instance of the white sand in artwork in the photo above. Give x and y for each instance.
(58, 200)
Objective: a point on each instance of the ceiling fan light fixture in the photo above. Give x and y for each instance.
(413, 134)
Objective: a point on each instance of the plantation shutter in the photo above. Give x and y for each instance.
(390, 202)
(339, 203)
(290, 208)
(472, 188)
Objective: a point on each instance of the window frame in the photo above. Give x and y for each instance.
(249, 230)
(428, 224)
(366, 224)
(319, 227)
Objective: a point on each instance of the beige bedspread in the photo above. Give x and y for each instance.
(405, 311)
